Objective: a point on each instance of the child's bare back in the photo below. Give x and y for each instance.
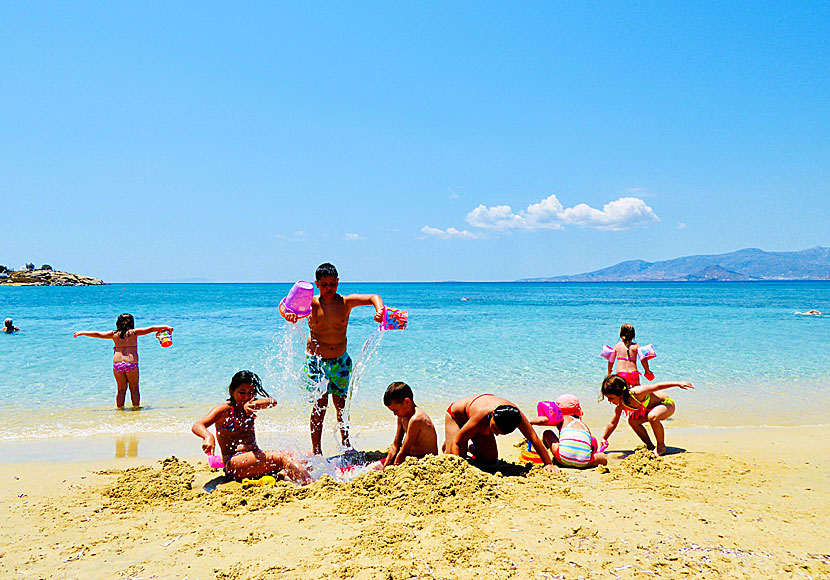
(415, 434)
(420, 434)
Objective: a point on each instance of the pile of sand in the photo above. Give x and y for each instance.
(144, 487)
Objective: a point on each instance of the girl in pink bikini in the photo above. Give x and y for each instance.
(625, 353)
(125, 355)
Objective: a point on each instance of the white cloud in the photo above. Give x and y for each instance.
(354, 237)
(623, 214)
(450, 233)
(681, 226)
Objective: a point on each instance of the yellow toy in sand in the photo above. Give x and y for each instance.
(264, 480)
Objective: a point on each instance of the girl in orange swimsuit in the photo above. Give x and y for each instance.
(642, 404)
(625, 353)
(234, 424)
(125, 355)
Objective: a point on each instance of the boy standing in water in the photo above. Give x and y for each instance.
(328, 366)
(415, 435)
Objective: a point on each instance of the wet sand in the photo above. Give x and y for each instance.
(730, 503)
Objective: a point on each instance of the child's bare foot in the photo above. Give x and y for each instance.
(660, 450)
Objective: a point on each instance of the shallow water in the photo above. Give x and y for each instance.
(751, 359)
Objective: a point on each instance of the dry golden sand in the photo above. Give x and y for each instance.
(735, 504)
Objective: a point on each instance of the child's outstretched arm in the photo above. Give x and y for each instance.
(149, 329)
(647, 371)
(94, 334)
(200, 428)
(648, 389)
(258, 404)
(353, 300)
(611, 425)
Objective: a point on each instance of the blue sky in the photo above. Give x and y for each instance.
(430, 141)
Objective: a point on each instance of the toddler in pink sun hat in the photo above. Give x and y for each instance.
(575, 447)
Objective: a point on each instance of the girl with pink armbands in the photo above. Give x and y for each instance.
(626, 353)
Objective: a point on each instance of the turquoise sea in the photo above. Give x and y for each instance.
(752, 360)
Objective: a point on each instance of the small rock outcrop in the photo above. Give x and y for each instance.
(47, 278)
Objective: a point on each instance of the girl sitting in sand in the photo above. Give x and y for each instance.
(125, 354)
(575, 447)
(625, 353)
(643, 405)
(234, 423)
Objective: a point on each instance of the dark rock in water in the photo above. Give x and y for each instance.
(47, 278)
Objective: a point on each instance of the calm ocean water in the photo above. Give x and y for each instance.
(751, 359)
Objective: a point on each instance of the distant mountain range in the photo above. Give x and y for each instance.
(743, 265)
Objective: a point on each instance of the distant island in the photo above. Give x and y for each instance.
(744, 265)
(44, 276)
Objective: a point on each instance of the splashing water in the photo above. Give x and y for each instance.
(280, 364)
(366, 353)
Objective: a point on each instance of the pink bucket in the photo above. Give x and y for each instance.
(298, 300)
(394, 319)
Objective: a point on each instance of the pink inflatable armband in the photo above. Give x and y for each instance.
(394, 319)
(550, 411)
(298, 300)
(608, 353)
(646, 352)
(165, 339)
(215, 462)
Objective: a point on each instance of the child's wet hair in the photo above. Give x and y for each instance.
(627, 333)
(246, 378)
(125, 323)
(507, 418)
(396, 393)
(613, 385)
(325, 270)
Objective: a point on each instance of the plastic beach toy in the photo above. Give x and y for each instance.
(298, 300)
(530, 456)
(264, 480)
(646, 352)
(394, 319)
(603, 447)
(215, 462)
(549, 410)
(165, 338)
(608, 353)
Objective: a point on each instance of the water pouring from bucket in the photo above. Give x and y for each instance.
(298, 300)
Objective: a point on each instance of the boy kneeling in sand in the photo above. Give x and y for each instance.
(475, 421)
(415, 435)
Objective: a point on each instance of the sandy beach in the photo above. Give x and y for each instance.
(730, 503)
